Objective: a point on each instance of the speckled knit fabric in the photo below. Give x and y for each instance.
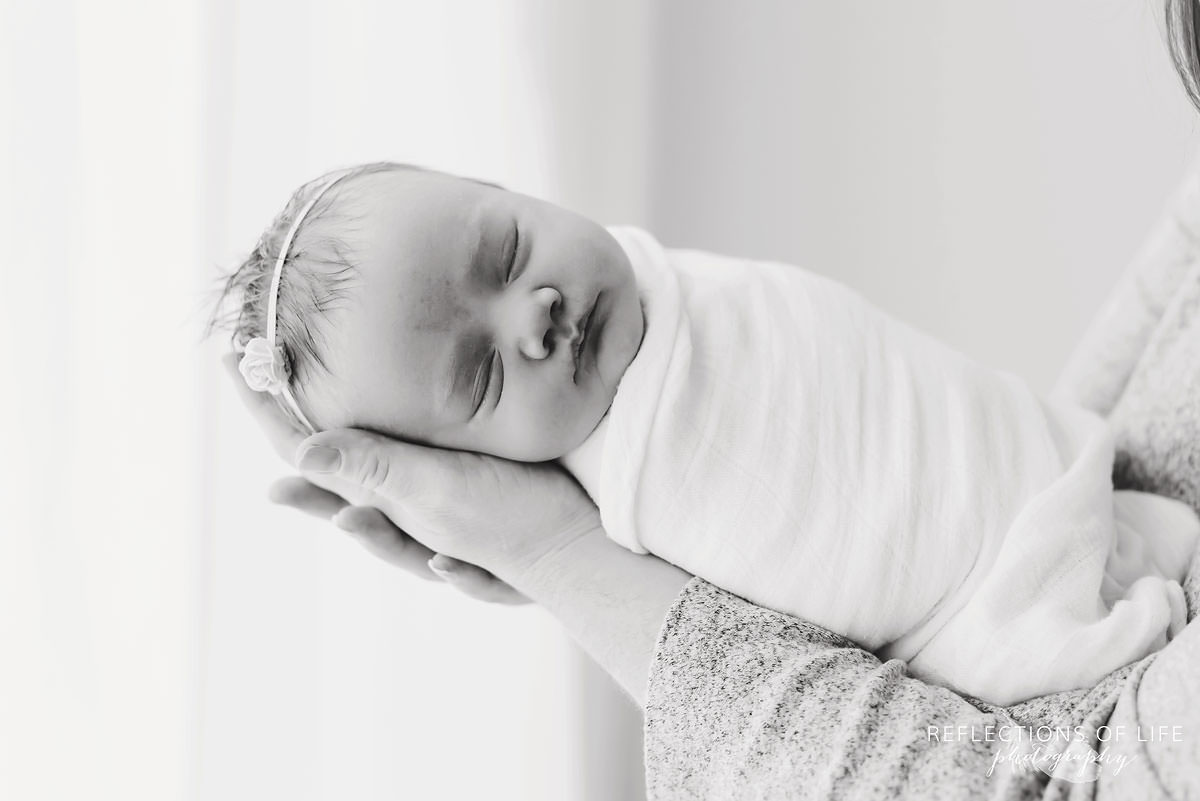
(745, 703)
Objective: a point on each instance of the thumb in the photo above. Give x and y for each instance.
(378, 464)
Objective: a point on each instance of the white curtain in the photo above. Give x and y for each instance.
(101, 491)
(165, 632)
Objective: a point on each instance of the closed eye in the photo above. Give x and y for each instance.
(511, 271)
(488, 381)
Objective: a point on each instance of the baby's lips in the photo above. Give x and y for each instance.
(582, 338)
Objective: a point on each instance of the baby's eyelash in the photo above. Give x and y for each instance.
(498, 369)
(491, 372)
(483, 381)
(510, 273)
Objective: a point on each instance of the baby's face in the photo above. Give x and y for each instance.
(477, 319)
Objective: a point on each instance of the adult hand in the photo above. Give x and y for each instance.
(501, 515)
(529, 524)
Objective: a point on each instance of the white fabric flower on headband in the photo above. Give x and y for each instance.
(264, 367)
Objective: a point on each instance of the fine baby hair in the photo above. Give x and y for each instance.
(316, 270)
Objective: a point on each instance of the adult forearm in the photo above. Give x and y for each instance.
(610, 600)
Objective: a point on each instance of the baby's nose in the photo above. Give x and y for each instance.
(538, 327)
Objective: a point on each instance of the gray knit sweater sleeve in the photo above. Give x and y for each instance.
(743, 702)
(748, 703)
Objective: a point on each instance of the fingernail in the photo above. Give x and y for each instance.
(440, 569)
(319, 459)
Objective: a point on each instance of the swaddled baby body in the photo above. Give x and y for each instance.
(753, 423)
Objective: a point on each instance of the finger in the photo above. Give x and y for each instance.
(283, 436)
(379, 465)
(300, 493)
(375, 532)
(475, 581)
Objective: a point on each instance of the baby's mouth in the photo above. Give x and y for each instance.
(583, 327)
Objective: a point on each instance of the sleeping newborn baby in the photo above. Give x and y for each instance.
(758, 425)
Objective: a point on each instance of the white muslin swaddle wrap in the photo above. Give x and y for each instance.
(783, 439)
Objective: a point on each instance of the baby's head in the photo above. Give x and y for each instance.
(445, 311)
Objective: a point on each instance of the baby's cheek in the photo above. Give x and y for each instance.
(552, 425)
(540, 429)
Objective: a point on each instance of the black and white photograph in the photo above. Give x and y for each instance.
(600, 400)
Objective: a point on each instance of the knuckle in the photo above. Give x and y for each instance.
(374, 472)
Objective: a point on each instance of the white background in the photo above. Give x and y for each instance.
(984, 171)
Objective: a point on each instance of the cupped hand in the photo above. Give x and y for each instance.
(501, 515)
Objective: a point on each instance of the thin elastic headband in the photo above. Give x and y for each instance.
(264, 364)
